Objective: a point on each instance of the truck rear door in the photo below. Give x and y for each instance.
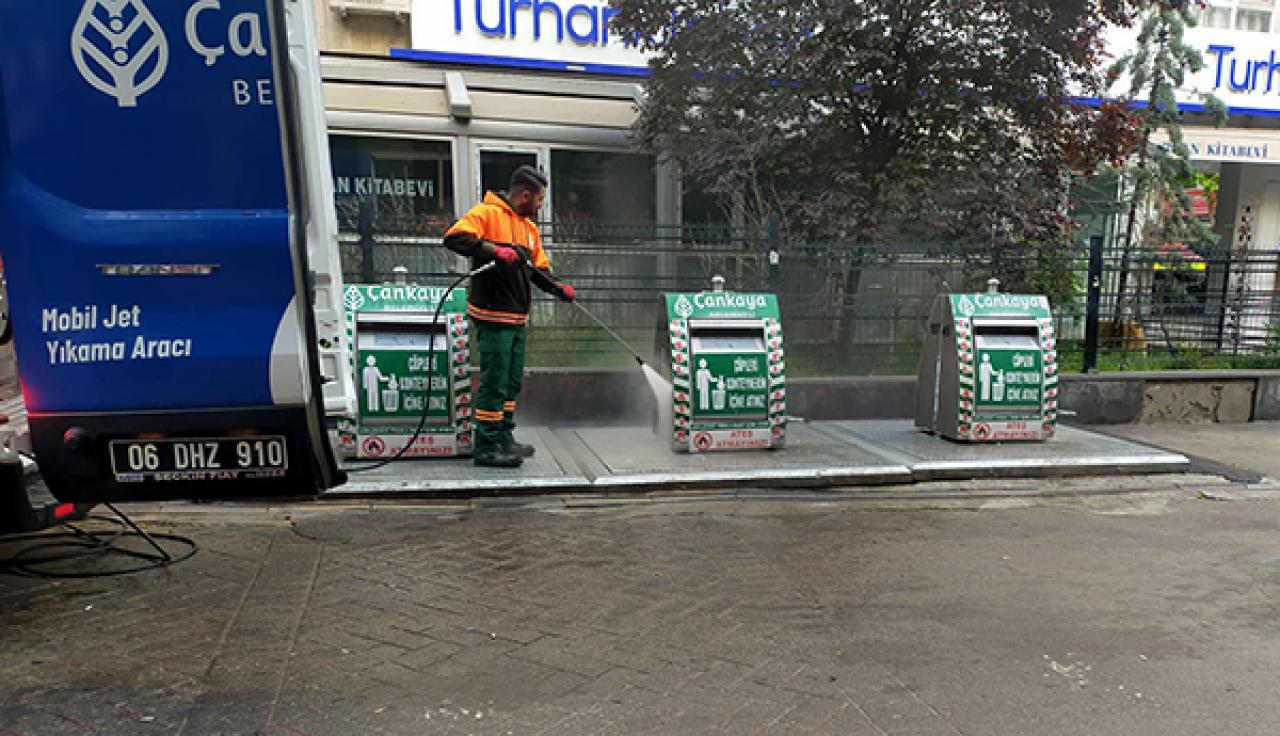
(152, 240)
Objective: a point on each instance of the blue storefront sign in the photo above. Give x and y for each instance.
(1241, 69)
(145, 217)
(540, 34)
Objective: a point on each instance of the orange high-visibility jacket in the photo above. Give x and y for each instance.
(501, 295)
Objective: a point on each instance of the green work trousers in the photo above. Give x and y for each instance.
(501, 377)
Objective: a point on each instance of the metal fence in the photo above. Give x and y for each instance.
(857, 309)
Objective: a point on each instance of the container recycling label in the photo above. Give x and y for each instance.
(1009, 379)
(397, 384)
(730, 386)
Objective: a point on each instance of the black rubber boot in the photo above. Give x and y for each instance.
(497, 458)
(511, 447)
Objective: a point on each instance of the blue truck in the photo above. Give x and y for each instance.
(169, 248)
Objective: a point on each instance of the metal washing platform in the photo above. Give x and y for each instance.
(818, 455)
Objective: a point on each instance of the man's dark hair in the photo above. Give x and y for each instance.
(528, 178)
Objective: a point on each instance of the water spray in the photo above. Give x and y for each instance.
(657, 384)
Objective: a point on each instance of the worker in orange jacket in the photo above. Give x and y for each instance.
(501, 230)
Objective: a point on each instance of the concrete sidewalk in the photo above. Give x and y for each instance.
(818, 455)
(1219, 448)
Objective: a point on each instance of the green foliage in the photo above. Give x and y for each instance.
(1272, 348)
(1159, 173)
(1209, 182)
(1184, 361)
(879, 120)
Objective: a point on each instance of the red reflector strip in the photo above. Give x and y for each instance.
(64, 510)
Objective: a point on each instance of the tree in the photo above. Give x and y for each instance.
(1155, 71)
(876, 120)
(947, 125)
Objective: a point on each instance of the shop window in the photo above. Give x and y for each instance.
(497, 168)
(394, 199)
(393, 186)
(602, 195)
(1242, 15)
(701, 208)
(706, 217)
(1215, 18)
(1253, 20)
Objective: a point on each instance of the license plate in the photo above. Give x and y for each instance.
(197, 459)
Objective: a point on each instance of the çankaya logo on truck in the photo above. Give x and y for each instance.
(122, 51)
(102, 55)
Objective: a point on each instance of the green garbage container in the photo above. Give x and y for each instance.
(406, 361)
(989, 369)
(728, 371)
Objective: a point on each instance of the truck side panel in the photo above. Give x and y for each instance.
(156, 268)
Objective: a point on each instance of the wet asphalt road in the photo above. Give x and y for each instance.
(1144, 613)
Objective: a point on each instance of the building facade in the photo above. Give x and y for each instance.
(431, 103)
(1240, 43)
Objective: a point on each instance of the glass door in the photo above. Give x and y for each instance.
(495, 163)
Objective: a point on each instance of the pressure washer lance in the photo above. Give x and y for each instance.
(431, 361)
(600, 322)
(612, 334)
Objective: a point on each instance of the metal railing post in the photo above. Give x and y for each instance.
(774, 244)
(1093, 304)
(368, 270)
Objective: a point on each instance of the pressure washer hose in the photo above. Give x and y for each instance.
(431, 360)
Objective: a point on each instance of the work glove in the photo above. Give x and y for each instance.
(568, 293)
(506, 254)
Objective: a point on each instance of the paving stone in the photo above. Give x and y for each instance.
(801, 620)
